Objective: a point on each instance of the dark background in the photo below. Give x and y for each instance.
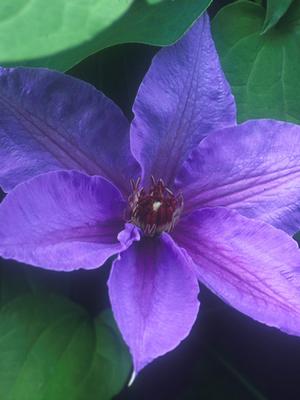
(227, 356)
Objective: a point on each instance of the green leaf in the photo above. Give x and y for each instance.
(51, 349)
(59, 33)
(275, 10)
(263, 70)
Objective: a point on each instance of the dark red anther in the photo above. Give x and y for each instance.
(156, 210)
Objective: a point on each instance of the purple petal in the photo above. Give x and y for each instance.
(153, 293)
(51, 121)
(249, 264)
(63, 220)
(182, 98)
(253, 168)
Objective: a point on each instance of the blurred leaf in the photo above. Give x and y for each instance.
(296, 236)
(263, 70)
(51, 349)
(215, 378)
(58, 34)
(275, 10)
(117, 71)
(12, 284)
(17, 279)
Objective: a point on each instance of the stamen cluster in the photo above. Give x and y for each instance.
(156, 210)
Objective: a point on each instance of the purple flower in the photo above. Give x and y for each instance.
(208, 205)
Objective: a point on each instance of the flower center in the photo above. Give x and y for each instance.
(156, 210)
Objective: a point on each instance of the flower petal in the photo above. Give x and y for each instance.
(253, 168)
(153, 293)
(51, 121)
(249, 264)
(63, 220)
(182, 98)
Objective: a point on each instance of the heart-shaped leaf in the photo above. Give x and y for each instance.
(58, 34)
(275, 10)
(263, 70)
(51, 349)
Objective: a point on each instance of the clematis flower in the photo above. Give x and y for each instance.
(183, 194)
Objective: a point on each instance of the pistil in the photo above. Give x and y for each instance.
(155, 210)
